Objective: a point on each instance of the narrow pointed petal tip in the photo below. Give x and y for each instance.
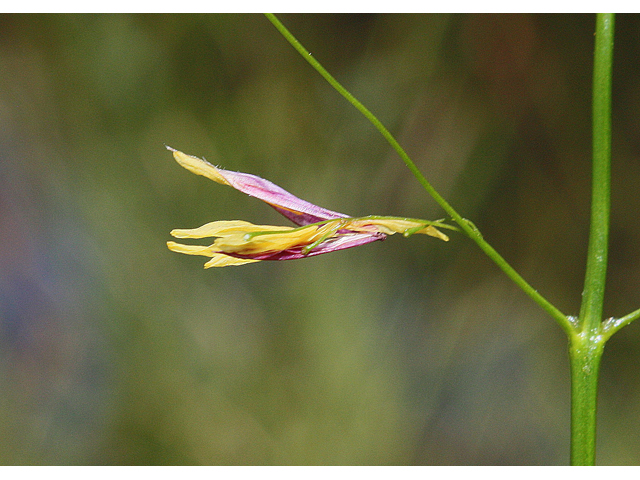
(434, 232)
(199, 166)
(221, 260)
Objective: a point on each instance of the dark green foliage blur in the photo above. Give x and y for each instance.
(114, 350)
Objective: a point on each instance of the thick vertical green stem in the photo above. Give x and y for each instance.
(588, 343)
(585, 354)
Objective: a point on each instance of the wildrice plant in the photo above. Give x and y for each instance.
(319, 231)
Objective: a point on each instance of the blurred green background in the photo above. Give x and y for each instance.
(114, 350)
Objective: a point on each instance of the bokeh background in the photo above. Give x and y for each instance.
(114, 350)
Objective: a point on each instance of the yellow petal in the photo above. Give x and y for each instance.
(199, 166)
(223, 227)
(217, 259)
(205, 250)
(396, 225)
(266, 242)
(434, 232)
(222, 260)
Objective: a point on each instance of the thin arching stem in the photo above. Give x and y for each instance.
(466, 226)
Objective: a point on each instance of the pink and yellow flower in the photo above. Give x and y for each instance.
(318, 230)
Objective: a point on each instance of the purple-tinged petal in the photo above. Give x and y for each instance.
(295, 209)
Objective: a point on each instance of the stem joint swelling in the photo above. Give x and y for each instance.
(473, 227)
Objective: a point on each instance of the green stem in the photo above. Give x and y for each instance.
(593, 296)
(465, 225)
(587, 345)
(612, 325)
(585, 354)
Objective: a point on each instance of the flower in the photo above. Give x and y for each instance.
(318, 230)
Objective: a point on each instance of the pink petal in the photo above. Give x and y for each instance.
(295, 209)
